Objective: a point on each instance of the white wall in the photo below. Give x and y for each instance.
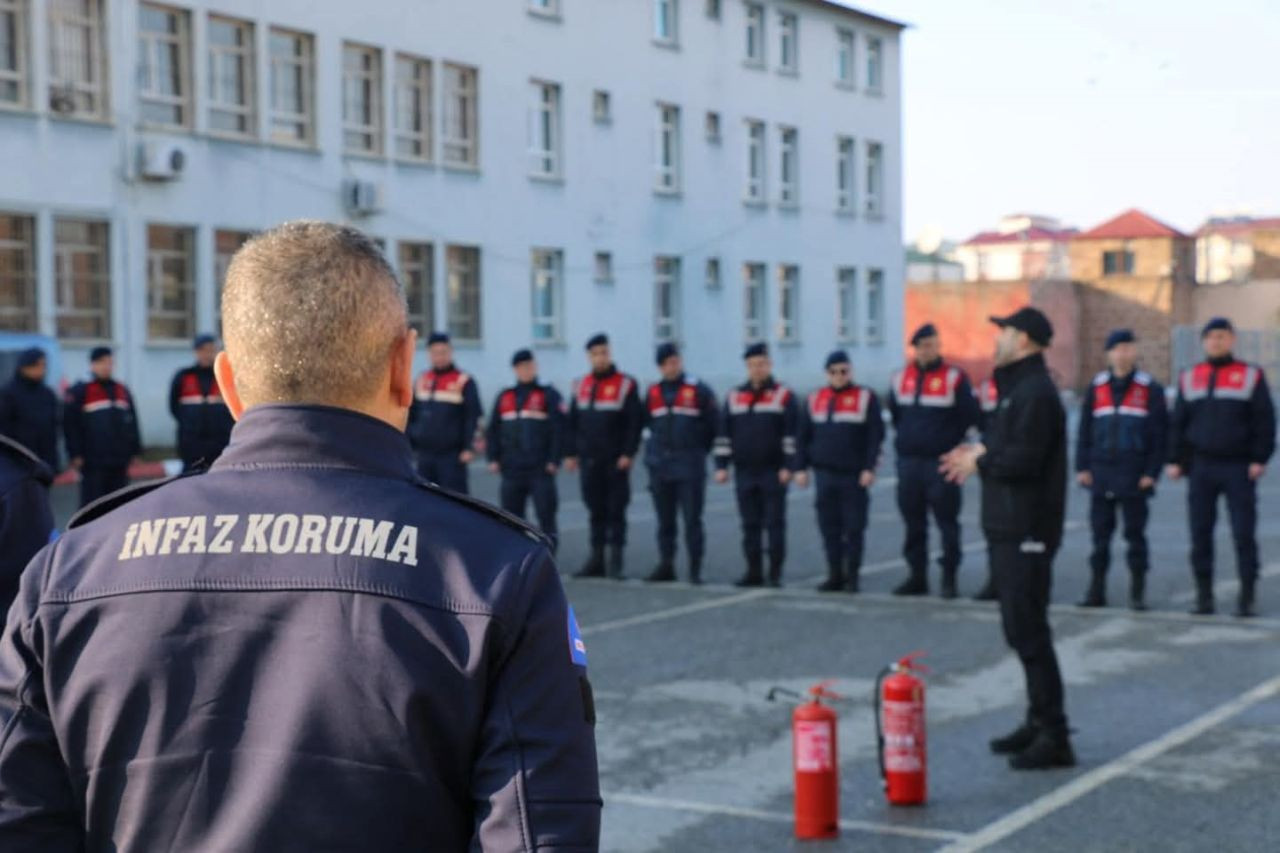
(605, 203)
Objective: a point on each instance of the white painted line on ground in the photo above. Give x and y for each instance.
(777, 817)
(1087, 783)
(1229, 585)
(672, 612)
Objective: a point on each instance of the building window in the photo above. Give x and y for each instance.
(601, 109)
(225, 245)
(712, 277)
(544, 130)
(82, 279)
(164, 45)
(788, 43)
(1119, 262)
(754, 305)
(77, 59)
(874, 184)
(845, 171)
(665, 13)
(713, 9)
(546, 8)
(845, 55)
(461, 119)
(13, 54)
(462, 266)
(713, 128)
(361, 99)
(231, 79)
(548, 295)
(755, 34)
(293, 80)
(789, 171)
(170, 283)
(666, 298)
(755, 188)
(413, 108)
(875, 64)
(666, 178)
(788, 303)
(875, 306)
(18, 274)
(604, 267)
(847, 305)
(417, 271)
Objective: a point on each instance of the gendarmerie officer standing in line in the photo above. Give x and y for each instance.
(1223, 432)
(1023, 465)
(26, 521)
(29, 410)
(757, 435)
(681, 415)
(1120, 449)
(101, 429)
(840, 436)
(605, 422)
(204, 423)
(444, 417)
(526, 442)
(933, 407)
(307, 647)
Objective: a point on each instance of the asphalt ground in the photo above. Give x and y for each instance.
(1176, 718)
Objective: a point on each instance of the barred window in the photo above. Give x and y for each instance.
(18, 273)
(170, 283)
(82, 279)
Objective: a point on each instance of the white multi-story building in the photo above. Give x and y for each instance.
(705, 171)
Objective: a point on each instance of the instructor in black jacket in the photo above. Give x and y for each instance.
(1023, 465)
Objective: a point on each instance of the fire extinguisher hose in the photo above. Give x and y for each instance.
(876, 704)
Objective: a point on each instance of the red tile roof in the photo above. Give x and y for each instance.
(988, 238)
(1132, 224)
(1238, 227)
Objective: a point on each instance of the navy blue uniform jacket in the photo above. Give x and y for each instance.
(100, 424)
(527, 429)
(1123, 426)
(1223, 411)
(305, 648)
(29, 414)
(25, 518)
(932, 409)
(757, 429)
(682, 420)
(605, 416)
(204, 421)
(446, 411)
(841, 430)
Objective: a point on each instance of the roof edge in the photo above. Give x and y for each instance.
(863, 14)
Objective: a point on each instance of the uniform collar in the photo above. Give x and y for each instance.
(1221, 361)
(767, 385)
(317, 436)
(447, 369)
(927, 368)
(606, 373)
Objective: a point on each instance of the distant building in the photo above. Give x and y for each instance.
(1022, 247)
(1227, 249)
(932, 266)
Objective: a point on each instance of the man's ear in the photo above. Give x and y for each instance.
(402, 369)
(226, 377)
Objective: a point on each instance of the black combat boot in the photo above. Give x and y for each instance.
(695, 572)
(754, 575)
(915, 584)
(1016, 741)
(1049, 750)
(1244, 606)
(1138, 592)
(594, 566)
(1096, 596)
(835, 577)
(775, 571)
(949, 590)
(1204, 605)
(663, 573)
(615, 562)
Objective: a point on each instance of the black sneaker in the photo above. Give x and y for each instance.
(851, 584)
(615, 564)
(662, 574)
(1016, 741)
(1244, 606)
(912, 586)
(1046, 752)
(695, 573)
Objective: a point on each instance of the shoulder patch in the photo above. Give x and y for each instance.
(39, 469)
(115, 500)
(488, 509)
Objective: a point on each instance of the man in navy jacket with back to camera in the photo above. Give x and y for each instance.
(1120, 450)
(308, 647)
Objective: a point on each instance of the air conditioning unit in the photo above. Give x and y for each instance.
(161, 161)
(362, 198)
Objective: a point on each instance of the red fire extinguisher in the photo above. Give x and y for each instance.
(900, 732)
(815, 760)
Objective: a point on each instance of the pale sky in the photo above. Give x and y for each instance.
(1080, 110)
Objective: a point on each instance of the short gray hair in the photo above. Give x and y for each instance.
(310, 314)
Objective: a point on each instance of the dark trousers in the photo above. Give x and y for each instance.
(519, 486)
(606, 491)
(1135, 509)
(842, 516)
(921, 490)
(444, 469)
(687, 496)
(762, 505)
(1023, 580)
(1209, 479)
(98, 481)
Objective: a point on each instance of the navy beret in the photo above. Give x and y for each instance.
(438, 338)
(837, 357)
(928, 330)
(98, 352)
(31, 356)
(666, 351)
(201, 340)
(1119, 336)
(753, 350)
(521, 355)
(1217, 323)
(597, 340)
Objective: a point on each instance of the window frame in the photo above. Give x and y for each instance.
(666, 273)
(788, 43)
(790, 306)
(20, 76)
(670, 38)
(96, 66)
(150, 45)
(1126, 262)
(460, 127)
(603, 271)
(546, 131)
(546, 275)
(667, 174)
(156, 288)
(302, 61)
(65, 278)
(847, 314)
(601, 106)
(24, 280)
(874, 51)
(362, 120)
(246, 55)
(788, 164)
(846, 58)
(416, 88)
(544, 8)
(755, 32)
(713, 9)
(755, 301)
(418, 273)
(846, 175)
(873, 183)
(464, 260)
(756, 189)
(711, 275)
(713, 124)
(875, 298)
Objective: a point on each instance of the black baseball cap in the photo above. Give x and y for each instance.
(1036, 326)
